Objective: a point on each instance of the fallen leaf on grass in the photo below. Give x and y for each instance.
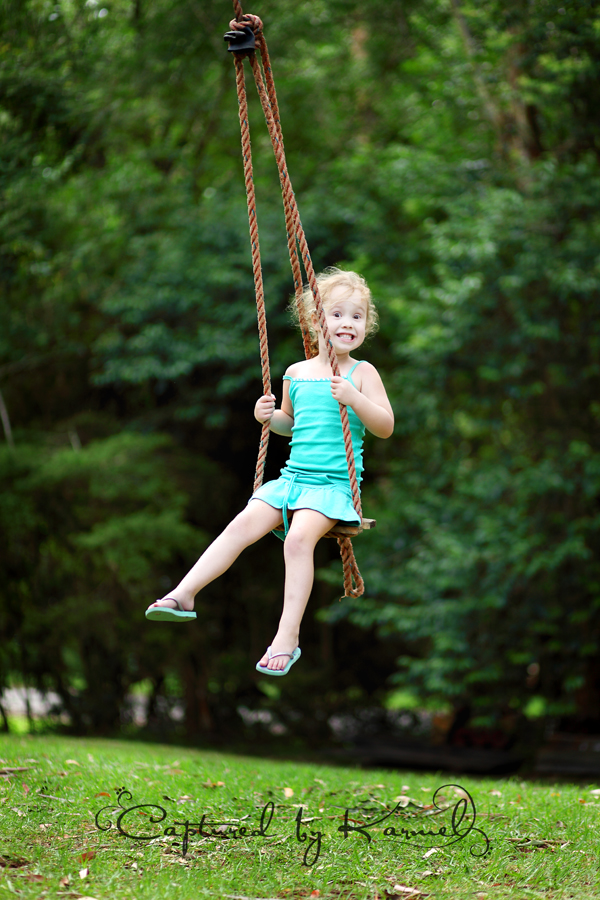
(404, 891)
(71, 762)
(211, 784)
(64, 881)
(102, 794)
(12, 770)
(528, 845)
(19, 812)
(83, 873)
(87, 855)
(459, 792)
(289, 792)
(32, 876)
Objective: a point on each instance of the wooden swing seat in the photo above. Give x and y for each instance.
(344, 531)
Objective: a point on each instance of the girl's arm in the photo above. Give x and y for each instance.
(280, 420)
(370, 404)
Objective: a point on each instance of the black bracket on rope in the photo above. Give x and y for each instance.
(240, 40)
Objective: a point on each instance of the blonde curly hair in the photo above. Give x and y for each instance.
(327, 280)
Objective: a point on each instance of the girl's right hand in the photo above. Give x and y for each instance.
(264, 409)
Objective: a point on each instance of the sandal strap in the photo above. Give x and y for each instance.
(273, 655)
(178, 604)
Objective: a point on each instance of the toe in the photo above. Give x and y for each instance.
(167, 602)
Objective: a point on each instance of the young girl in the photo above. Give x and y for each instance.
(313, 492)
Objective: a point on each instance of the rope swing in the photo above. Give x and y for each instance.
(245, 38)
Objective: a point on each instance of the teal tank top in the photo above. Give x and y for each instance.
(317, 445)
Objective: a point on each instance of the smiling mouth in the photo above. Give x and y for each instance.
(344, 336)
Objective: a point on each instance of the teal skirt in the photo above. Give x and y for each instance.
(295, 490)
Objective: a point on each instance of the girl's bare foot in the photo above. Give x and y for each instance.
(169, 600)
(281, 644)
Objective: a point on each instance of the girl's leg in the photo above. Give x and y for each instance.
(256, 520)
(306, 527)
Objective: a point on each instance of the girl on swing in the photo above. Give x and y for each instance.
(313, 492)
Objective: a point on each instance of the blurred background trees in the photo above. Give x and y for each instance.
(448, 151)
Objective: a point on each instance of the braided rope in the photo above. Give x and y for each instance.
(295, 238)
(256, 264)
(350, 568)
(272, 115)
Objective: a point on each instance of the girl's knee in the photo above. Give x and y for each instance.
(299, 541)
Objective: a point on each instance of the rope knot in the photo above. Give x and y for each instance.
(244, 34)
(247, 20)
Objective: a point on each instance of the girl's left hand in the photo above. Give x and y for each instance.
(342, 390)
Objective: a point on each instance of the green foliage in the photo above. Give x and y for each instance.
(490, 527)
(90, 531)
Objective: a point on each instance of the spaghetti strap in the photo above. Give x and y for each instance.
(349, 375)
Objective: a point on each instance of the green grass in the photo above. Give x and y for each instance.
(544, 838)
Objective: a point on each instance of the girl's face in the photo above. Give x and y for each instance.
(346, 315)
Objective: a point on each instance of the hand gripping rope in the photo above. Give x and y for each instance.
(245, 38)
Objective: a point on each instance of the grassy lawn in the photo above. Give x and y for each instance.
(543, 838)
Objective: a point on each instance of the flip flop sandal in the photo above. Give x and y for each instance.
(294, 657)
(166, 614)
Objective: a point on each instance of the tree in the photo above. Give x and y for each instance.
(445, 150)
